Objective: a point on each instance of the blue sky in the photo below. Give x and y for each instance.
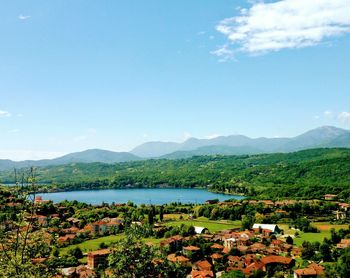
(113, 74)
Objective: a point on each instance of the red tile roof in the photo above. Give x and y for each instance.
(277, 242)
(66, 237)
(253, 267)
(38, 260)
(181, 259)
(202, 274)
(203, 265)
(318, 268)
(216, 256)
(312, 270)
(217, 246)
(276, 259)
(306, 272)
(191, 248)
(234, 258)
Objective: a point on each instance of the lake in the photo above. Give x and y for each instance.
(139, 196)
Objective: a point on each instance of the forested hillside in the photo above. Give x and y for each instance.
(305, 174)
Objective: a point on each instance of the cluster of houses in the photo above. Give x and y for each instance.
(339, 214)
(255, 253)
(98, 228)
(256, 249)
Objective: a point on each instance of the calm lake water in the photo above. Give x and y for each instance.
(138, 196)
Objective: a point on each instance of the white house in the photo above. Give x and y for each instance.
(200, 230)
(272, 227)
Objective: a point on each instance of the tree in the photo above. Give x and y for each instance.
(343, 264)
(335, 238)
(325, 252)
(76, 252)
(307, 251)
(233, 274)
(103, 245)
(150, 217)
(214, 214)
(19, 242)
(191, 231)
(258, 274)
(289, 240)
(161, 212)
(56, 252)
(247, 222)
(132, 258)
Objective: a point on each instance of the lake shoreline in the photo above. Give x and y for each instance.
(155, 196)
(62, 189)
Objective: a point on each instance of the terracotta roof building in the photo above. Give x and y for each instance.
(178, 259)
(313, 270)
(330, 197)
(272, 227)
(98, 257)
(202, 265)
(277, 260)
(202, 274)
(344, 243)
(191, 248)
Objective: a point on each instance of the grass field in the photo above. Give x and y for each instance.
(212, 226)
(93, 244)
(175, 216)
(325, 232)
(311, 237)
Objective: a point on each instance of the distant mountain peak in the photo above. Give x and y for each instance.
(326, 131)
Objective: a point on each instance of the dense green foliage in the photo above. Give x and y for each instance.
(305, 174)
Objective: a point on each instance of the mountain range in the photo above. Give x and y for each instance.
(322, 137)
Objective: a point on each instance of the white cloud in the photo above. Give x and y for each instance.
(16, 130)
(286, 24)
(4, 114)
(344, 117)
(24, 17)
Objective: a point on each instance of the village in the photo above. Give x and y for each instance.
(200, 246)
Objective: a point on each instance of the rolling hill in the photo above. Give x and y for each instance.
(304, 174)
(88, 156)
